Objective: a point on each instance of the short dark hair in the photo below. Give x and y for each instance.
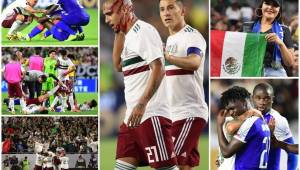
(43, 78)
(234, 94)
(93, 103)
(51, 51)
(63, 52)
(264, 86)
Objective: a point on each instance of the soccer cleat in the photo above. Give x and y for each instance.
(23, 37)
(72, 38)
(80, 36)
(12, 37)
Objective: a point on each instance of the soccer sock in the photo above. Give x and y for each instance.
(51, 92)
(169, 168)
(121, 165)
(64, 103)
(47, 33)
(22, 26)
(14, 27)
(65, 27)
(22, 103)
(80, 30)
(36, 30)
(11, 103)
(71, 101)
(54, 101)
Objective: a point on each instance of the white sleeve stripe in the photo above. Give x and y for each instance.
(246, 126)
(240, 139)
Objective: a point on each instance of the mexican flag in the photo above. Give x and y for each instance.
(236, 54)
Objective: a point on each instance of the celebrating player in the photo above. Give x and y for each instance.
(252, 137)
(185, 54)
(139, 55)
(17, 16)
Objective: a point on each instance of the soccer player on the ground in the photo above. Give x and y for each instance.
(88, 105)
(17, 16)
(263, 96)
(251, 143)
(50, 68)
(185, 54)
(13, 76)
(138, 53)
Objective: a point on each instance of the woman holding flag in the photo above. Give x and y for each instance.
(279, 51)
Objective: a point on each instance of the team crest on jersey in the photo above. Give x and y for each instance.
(231, 65)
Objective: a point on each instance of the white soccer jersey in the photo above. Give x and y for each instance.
(142, 46)
(48, 161)
(226, 163)
(185, 88)
(39, 159)
(282, 130)
(64, 162)
(63, 66)
(17, 6)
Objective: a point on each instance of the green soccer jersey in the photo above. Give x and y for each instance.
(49, 65)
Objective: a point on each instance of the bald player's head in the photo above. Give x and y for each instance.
(262, 98)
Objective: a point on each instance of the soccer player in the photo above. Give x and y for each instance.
(17, 16)
(63, 65)
(138, 53)
(33, 81)
(263, 96)
(88, 105)
(13, 76)
(36, 61)
(64, 161)
(185, 54)
(50, 68)
(39, 160)
(251, 143)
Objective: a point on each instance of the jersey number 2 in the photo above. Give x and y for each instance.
(152, 152)
(263, 163)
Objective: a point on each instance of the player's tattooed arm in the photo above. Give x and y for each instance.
(190, 62)
(153, 84)
(228, 149)
(117, 50)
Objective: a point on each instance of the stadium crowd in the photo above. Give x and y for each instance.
(74, 134)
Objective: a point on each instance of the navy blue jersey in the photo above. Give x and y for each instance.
(255, 133)
(70, 5)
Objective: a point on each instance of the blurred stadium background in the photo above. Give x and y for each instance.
(77, 135)
(86, 60)
(285, 102)
(229, 15)
(111, 84)
(90, 31)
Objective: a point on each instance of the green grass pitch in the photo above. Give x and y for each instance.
(108, 150)
(90, 31)
(81, 97)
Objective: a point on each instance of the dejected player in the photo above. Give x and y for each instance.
(185, 55)
(138, 53)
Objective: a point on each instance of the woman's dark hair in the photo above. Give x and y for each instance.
(258, 13)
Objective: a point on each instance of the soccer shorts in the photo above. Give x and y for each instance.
(150, 143)
(76, 18)
(187, 133)
(59, 34)
(36, 167)
(14, 90)
(8, 21)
